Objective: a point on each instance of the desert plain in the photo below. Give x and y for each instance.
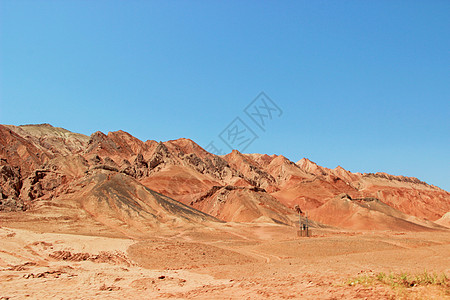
(112, 217)
(230, 261)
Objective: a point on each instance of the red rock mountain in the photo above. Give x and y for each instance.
(116, 178)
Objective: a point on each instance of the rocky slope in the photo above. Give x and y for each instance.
(118, 174)
(367, 213)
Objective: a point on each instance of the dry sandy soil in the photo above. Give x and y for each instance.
(110, 216)
(225, 261)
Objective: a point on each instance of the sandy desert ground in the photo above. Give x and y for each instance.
(225, 261)
(112, 217)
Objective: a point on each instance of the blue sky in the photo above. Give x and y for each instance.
(362, 84)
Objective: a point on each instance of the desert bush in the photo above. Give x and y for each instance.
(402, 279)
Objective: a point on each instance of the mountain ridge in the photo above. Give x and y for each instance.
(38, 162)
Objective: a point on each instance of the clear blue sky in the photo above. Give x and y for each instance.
(362, 84)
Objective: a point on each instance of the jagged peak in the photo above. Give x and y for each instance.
(306, 161)
(99, 134)
(339, 168)
(311, 167)
(187, 146)
(120, 133)
(121, 136)
(183, 140)
(280, 159)
(235, 155)
(151, 143)
(235, 152)
(235, 158)
(97, 137)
